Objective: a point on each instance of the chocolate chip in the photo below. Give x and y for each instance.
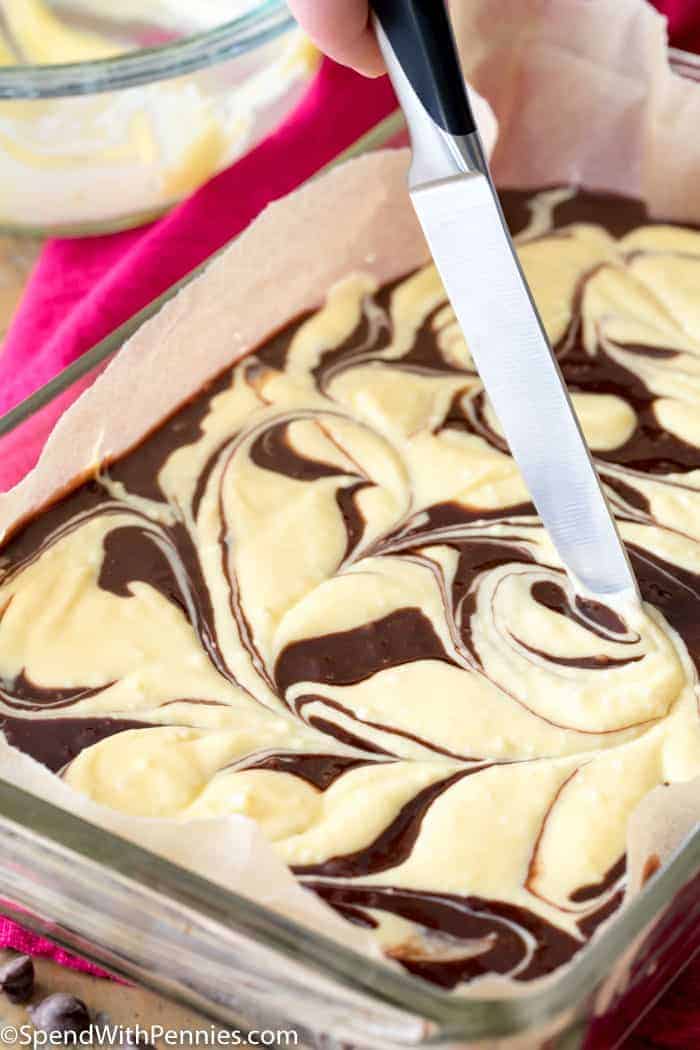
(17, 979)
(60, 1013)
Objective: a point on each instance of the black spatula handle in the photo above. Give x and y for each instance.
(420, 34)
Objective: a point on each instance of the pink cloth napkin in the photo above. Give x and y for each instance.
(81, 290)
(14, 936)
(683, 22)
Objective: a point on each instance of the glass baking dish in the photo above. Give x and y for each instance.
(143, 918)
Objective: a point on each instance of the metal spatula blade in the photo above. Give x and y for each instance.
(459, 211)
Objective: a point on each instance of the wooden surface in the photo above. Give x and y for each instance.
(17, 256)
(120, 1005)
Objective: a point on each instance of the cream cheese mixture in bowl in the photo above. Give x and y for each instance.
(110, 114)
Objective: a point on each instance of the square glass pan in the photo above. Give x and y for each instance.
(238, 963)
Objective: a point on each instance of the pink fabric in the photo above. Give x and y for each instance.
(683, 22)
(14, 936)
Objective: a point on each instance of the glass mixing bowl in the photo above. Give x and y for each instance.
(167, 93)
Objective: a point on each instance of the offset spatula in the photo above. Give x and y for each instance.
(458, 208)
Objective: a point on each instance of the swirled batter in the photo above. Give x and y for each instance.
(319, 595)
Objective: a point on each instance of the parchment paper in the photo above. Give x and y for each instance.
(231, 851)
(582, 93)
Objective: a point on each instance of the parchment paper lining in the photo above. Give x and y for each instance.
(582, 93)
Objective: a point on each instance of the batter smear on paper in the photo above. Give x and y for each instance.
(319, 595)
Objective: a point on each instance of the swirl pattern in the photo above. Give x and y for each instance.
(319, 595)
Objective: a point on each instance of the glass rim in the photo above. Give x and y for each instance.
(457, 1016)
(678, 57)
(266, 20)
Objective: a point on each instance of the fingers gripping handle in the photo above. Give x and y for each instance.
(421, 39)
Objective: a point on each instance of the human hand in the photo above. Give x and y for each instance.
(342, 29)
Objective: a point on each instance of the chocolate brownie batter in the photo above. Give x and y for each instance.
(319, 596)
